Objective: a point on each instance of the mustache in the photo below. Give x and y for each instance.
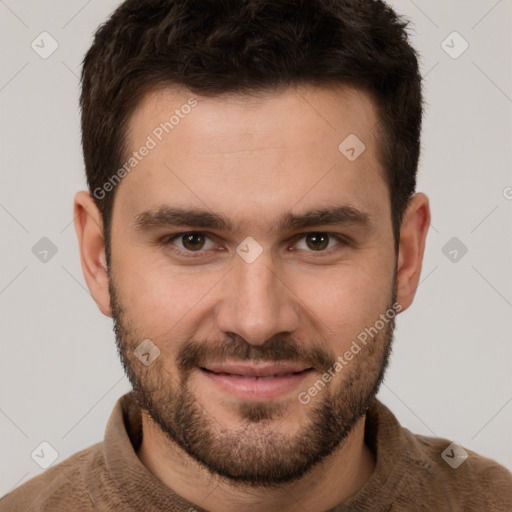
(277, 349)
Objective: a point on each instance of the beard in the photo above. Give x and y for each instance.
(256, 452)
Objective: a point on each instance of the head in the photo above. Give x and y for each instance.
(252, 168)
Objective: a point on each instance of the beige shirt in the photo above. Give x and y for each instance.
(410, 475)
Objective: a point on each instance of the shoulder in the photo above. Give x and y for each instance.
(58, 488)
(466, 477)
(434, 473)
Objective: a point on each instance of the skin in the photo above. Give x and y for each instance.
(252, 160)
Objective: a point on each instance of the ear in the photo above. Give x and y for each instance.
(413, 234)
(89, 229)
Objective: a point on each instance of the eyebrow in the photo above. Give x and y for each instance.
(166, 216)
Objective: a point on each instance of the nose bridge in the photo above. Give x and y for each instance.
(256, 304)
(257, 281)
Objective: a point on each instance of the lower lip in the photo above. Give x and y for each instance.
(248, 388)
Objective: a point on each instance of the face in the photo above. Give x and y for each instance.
(257, 261)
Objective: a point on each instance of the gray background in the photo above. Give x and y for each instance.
(450, 374)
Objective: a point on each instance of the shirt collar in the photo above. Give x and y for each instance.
(142, 490)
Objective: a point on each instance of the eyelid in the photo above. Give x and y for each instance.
(343, 241)
(169, 239)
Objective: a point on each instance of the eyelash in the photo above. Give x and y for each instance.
(167, 241)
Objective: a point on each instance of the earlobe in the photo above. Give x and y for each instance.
(413, 234)
(89, 230)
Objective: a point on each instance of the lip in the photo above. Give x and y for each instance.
(251, 370)
(256, 382)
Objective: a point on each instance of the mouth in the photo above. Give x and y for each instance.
(256, 382)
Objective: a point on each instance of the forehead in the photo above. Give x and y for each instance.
(293, 113)
(242, 154)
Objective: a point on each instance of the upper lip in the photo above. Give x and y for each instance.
(251, 370)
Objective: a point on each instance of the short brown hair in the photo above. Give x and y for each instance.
(213, 47)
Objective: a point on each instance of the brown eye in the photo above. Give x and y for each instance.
(317, 241)
(190, 242)
(193, 241)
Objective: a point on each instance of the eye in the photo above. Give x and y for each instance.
(194, 244)
(192, 241)
(318, 242)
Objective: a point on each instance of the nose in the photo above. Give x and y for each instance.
(256, 302)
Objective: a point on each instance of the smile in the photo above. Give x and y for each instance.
(249, 382)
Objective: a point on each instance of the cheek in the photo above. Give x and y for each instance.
(158, 295)
(344, 302)
(168, 302)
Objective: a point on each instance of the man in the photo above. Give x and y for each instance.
(253, 229)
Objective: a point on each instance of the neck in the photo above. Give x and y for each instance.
(328, 484)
